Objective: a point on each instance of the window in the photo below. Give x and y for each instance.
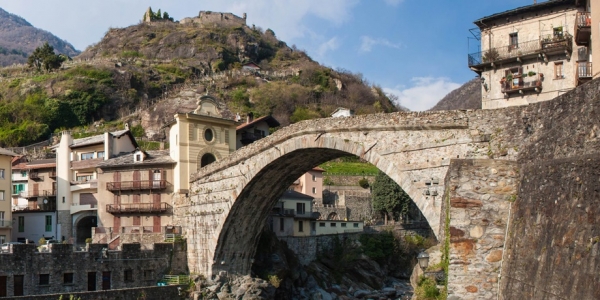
(558, 70)
(44, 279)
(21, 224)
(558, 32)
(1, 195)
(300, 226)
(100, 154)
(314, 190)
(48, 223)
(513, 40)
(343, 224)
(321, 224)
(68, 278)
(23, 173)
(148, 274)
(300, 207)
(137, 220)
(280, 224)
(86, 156)
(333, 224)
(17, 188)
(2, 239)
(128, 276)
(355, 225)
(314, 177)
(1, 173)
(1, 218)
(208, 135)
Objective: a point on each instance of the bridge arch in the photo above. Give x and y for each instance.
(231, 201)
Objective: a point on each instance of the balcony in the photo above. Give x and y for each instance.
(35, 176)
(583, 28)
(138, 208)
(250, 137)
(35, 207)
(584, 72)
(5, 224)
(547, 45)
(522, 86)
(38, 193)
(137, 185)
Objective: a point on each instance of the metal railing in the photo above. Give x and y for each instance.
(139, 229)
(508, 87)
(38, 193)
(137, 185)
(544, 44)
(176, 279)
(584, 70)
(583, 19)
(124, 208)
(5, 223)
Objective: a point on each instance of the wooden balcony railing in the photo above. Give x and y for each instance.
(545, 45)
(508, 87)
(584, 72)
(137, 185)
(138, 208)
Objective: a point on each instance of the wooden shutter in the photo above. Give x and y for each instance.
(136, 179)
(156, 223)
(117, 225)
(117, 179)
(137, 220)
(156, 201)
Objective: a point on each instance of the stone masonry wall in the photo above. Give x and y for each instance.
(307, 248)
(149, 292)
(478, 202)
(147, 266)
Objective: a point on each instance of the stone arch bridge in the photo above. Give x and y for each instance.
(229, 201)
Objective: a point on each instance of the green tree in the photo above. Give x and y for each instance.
(45, 57)
(388, 196)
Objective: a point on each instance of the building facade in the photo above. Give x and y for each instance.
(199, 138)
(135, 191)
(311, 183)
(533, 53)
(5, 190)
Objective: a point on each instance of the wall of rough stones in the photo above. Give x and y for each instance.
(147, 266)
(149, 292)
(480, 193)
(554, 239)
(307, 248)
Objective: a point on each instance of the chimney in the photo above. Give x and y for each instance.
(249, 118)
(126, 126)
(161, 146)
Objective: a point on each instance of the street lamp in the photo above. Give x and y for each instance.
(423, 259)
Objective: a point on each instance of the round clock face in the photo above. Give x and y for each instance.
(45, 201)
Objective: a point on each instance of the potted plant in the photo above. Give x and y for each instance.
(531, 73)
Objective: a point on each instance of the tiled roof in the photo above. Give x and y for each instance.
(7, 152)
(41, 164)
(523, 9)
(95, 139)
(126, 159)
(293, 195)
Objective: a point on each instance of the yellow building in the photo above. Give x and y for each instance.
(533, 53)
(5, 192)
(199, 138)
(293, 215)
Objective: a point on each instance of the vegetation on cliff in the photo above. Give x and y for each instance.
(132, 68)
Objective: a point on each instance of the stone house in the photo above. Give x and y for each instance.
(35, 215)
(5, 187)
(533, 53)
(342, 112)
(136, 205)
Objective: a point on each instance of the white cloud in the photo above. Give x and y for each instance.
(367, 43)
(393, 2)
(330, 45)
(423, 93)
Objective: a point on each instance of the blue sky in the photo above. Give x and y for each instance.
(414, 49)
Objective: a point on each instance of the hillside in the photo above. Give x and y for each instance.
(144, 73)
(468, 96)
(18, 39)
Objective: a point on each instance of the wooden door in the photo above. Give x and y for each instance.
(117, 225)
(136, 179)
(3, 286)
(156, 225)
(117, 180)
(91, 281)
(36, 189)
(18, 288)
(156, 202)
(106, 280)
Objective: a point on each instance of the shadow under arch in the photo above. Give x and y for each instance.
(240, 232)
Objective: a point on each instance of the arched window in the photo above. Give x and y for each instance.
(207, 159)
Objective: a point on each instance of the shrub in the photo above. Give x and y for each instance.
(364, 183)
(274, 280)
(427, 289)
(42, 241)
(88, 240)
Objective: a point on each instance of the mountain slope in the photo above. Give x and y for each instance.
(144, 73)
(18, 39)
(468, 96)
